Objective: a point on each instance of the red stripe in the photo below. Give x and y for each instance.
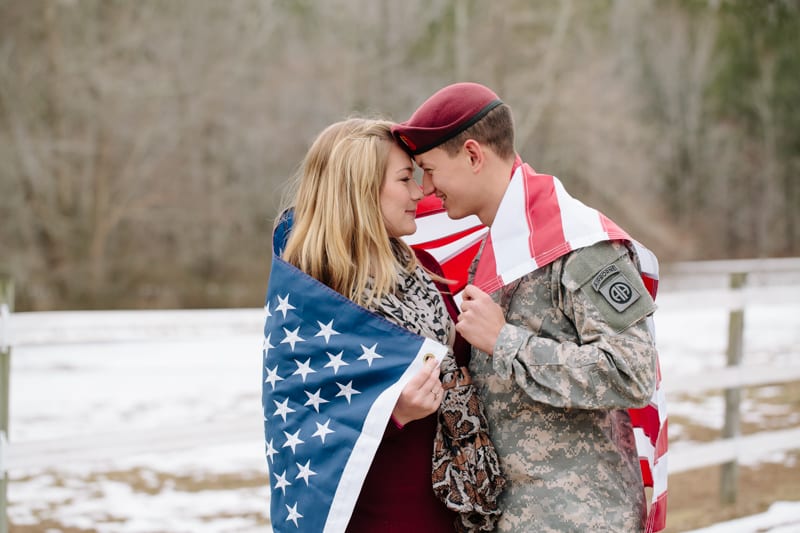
(429, 205)
(610, 227)
(447, 239)
(546, 230)
(663, 439)
(647, 419)
(647, 475)
(657, 518)
(486, 277)
(651, 284)
(457, 267)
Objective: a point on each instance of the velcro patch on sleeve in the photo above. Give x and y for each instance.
(610, 283)
(617, 289)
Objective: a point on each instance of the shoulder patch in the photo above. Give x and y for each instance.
(618, 291)
(607, 285)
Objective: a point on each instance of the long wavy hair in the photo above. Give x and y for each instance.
(339, 236)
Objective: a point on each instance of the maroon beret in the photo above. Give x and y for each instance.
(444, 115)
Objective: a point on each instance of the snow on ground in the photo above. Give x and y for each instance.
(782, 517)
(88, 389)
(59, 391)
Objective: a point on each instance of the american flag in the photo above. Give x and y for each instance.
(536, 223)
(332, 374)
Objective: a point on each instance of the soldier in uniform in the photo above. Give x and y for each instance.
(560, 336)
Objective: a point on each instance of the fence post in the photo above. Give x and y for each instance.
(729, 474)
(6, 308)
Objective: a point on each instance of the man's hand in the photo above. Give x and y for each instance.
(480, 320)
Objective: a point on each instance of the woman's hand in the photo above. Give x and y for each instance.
(421, 396)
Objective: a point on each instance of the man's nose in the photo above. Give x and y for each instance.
(427, 185)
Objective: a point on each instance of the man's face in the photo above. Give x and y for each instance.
(449, 178)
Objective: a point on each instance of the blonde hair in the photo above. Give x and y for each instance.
(338, 235)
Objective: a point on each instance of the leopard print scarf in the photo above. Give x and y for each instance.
(416, 305)
(466, 473)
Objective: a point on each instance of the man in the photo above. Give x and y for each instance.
(556, 313)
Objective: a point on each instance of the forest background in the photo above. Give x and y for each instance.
(145, 145)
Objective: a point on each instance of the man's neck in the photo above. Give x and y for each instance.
(498, 176)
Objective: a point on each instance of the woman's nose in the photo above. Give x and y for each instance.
(416, 192)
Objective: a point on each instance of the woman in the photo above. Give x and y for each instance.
(355, 198)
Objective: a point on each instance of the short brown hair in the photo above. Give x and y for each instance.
(495, 130)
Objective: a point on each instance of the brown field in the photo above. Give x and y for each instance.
(693, 503)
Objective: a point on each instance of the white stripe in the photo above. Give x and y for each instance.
(444, 253)
(581, 224)
(438, 225)
(344, 501)
(661, 404)
(658, 465)
(510, 231)
(660, 476)
(643, 445)
(647, 259)
(651, 327)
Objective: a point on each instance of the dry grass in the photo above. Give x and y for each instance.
(694, 496)
(148, 482)
(694, 500)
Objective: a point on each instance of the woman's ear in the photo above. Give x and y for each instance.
(474, 152)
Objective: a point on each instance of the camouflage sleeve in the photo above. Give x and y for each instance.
(603, 355)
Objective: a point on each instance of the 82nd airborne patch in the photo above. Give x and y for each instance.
(615, 288)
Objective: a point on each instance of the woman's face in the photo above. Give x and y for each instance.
(400, 194)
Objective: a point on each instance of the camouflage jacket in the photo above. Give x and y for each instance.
(574, 355)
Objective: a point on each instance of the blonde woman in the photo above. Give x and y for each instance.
(355, 198)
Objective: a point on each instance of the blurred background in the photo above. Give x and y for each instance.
(144, 146)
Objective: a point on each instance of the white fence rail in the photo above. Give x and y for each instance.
(66, 327)
(104, 447)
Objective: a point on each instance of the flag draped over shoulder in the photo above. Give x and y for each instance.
(332, 374)
(536, 223)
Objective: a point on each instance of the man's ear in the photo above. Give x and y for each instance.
(475, 153)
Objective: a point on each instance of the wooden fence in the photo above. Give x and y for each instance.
(753, 283)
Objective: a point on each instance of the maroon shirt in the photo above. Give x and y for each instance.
(397, 495)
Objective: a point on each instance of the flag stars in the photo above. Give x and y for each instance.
(326, 330)
(292, 337)
(284, 305)
(369, 354)
(267, 314)
(280, 482)
(267, 345)
(335, 361)
(305, 471)
(272, 377)
(315, 399)
(303, 369)
(271, 450)
(323, 430)
(293, 514)
(346, 390)
(292, 440)
(283, 409)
